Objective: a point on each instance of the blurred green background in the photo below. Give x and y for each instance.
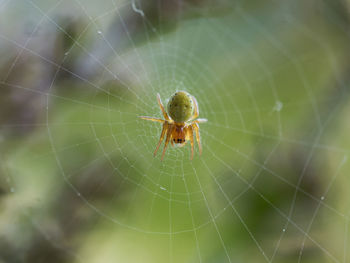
(78, 181)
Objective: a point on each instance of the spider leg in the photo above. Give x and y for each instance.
(151, 119)
(198, 137)
(190, 135)
(200, 121)
(168, 137)
(196, 110)
(164, 130)
(162, 108)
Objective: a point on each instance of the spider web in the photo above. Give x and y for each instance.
(78, 166)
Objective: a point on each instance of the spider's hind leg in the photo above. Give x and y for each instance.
(166, 116)
(151, 119)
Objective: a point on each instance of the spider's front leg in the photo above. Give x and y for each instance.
(198, 138)
(190, 136)
(164, 130)
(168, 137)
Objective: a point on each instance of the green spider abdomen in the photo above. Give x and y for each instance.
(180, 106)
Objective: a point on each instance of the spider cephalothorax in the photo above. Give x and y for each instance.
(180, 124)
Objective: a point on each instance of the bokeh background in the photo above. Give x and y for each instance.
(78, 181)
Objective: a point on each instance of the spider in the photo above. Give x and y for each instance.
(180, 122)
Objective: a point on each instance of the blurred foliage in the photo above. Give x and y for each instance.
(78, 182)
